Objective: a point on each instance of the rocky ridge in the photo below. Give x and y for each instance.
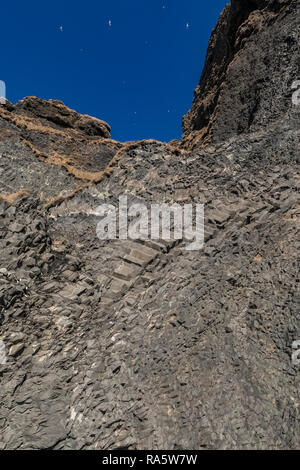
(252, 60)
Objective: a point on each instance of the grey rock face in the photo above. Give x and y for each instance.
(252, 61)
(122, 344)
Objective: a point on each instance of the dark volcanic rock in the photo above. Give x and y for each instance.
(57, 113)
(122, 344)
(252, 61)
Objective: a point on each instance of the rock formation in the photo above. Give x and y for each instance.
(252, 60)
(122, 344)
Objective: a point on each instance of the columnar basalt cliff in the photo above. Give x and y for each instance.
(122, 344)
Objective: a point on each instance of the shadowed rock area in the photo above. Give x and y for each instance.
(122, 344)
(252, 60)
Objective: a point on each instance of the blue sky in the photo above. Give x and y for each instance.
(133, 63)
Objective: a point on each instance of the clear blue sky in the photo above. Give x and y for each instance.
(133, 63)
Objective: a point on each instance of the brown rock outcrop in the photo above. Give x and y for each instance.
(57, 113)
(59, 136)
